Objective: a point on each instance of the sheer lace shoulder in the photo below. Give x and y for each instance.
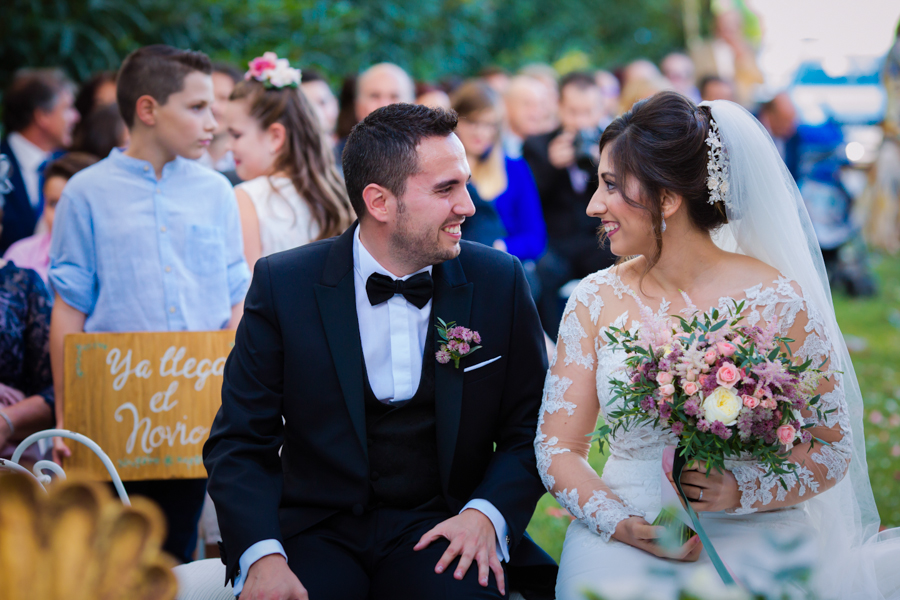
(578, 391)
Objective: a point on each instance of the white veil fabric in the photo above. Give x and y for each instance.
(768, 220)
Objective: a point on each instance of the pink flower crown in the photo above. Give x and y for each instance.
(273, 72)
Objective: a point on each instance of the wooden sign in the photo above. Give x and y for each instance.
(148, 399)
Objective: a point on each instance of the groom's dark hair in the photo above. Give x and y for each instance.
(381, 148)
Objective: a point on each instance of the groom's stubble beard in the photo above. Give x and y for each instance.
(418, 248)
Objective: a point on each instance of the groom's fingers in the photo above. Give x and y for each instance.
(450, 553)
(428, 537)
(497, 568)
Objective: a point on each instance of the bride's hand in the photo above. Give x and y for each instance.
(709, 493)
(637, 532)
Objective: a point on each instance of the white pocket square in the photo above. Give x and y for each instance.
(481, 364)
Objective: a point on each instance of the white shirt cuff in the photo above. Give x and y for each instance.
(491, 512)
(253, 554)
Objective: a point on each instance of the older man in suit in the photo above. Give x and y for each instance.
(348, 460)
(39, 115)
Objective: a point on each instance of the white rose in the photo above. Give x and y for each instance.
(722, 405)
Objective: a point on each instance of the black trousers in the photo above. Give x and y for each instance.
(371, 556)
(181, 500)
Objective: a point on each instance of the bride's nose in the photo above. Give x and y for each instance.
(596, 207)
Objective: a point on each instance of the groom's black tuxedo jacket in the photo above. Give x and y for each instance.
(297, 355)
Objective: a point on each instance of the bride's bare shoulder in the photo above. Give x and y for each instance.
(746, 272)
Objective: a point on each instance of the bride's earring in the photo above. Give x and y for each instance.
(663, 228)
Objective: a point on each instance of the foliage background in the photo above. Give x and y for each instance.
(430, 39)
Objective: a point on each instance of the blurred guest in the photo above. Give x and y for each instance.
(525, 106)
(38, 115)
(638, 88)
(319, 94)
(101, 131)
(548, 76)
(26, 382)
(496, 77)
(610, 90)
(678, 68)
(879, 206)
(380, 85)
(218, 157)
(291, 194)
(34, 252)
(564, 164)
(713, 87)
(505, 182)
(96, 92)
(377, 86)
(779, 117)
(640, 69)
(730, 56)
(431, 96)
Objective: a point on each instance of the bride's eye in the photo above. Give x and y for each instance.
(610, 186)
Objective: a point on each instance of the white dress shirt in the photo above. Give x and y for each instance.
(30, 158)
(394, 371)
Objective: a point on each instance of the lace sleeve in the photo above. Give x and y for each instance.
(823, 467)
(568, 416)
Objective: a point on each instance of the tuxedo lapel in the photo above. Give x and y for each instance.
(336, 297)
(452, 302)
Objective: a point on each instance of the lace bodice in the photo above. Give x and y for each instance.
(578, 390)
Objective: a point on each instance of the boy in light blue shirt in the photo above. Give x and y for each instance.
(149, 240)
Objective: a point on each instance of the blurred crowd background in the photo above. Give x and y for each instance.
(534, 83)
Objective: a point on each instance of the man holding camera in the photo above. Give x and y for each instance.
(564, 164)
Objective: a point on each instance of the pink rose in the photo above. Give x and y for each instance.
(690, 388)
(710, 357)
(263, 63)
(664, 378)
(667, 390)
(759, 392)
(691, 375)
(750, 401)
(769, 403)
(727, 375)
(786, 434)
(726, 348)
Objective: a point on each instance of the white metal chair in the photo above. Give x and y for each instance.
(41, 466)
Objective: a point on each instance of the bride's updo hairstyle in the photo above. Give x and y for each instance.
(661, 142)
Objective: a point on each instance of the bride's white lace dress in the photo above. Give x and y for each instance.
(577, 391)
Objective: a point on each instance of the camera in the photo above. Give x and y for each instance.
(587, 148)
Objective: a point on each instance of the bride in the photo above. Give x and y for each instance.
(700, 199)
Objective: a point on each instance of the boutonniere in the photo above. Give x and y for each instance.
(456, 342)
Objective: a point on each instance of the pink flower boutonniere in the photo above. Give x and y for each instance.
(456, 342)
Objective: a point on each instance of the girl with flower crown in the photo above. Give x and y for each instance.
(292, 193)
(700, 200)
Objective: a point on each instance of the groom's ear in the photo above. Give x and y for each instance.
(377, 199)
(670, 202)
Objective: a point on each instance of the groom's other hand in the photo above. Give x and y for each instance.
(270, 578)
(472, 536)
(637, 532)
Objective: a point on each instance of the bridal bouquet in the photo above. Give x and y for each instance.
(726, 389)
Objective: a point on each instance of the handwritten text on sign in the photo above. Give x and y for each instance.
(148, 399)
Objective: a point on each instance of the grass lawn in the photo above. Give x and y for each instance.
(874, 322)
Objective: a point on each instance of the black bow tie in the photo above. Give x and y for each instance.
(417, 290)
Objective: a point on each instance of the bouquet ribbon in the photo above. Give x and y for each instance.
(723, 571)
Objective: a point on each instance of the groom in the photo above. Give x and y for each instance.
(346, 461)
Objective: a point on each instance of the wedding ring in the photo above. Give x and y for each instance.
(700, 499)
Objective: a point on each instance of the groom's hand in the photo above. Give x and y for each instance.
(472, 536)
(270, 578)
